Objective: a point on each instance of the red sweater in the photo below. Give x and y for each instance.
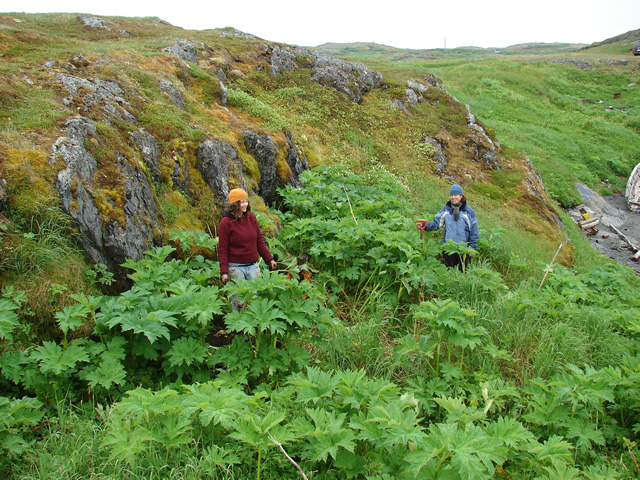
(240, 241)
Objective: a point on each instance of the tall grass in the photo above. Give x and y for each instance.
(42, 244)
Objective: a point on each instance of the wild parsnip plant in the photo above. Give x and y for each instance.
(363, 358)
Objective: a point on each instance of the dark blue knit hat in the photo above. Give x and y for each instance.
(456, 190)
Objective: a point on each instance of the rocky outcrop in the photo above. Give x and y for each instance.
(224, 91)
(434, 82)
(175, 95)
(3, 194)
(438, 157)
(100, 24)
(296, 163)
(262, 148)
(237, 34)
(89, 94)
(148, 146)
(352, 78)
(180, 177)
(96, 22)
(184, 50)
(220, 166)
(217, 161)
(413, 95)
(484, 150)
(281, 60)
(107, 240)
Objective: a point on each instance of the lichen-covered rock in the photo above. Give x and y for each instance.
(148, 146)
(413, 95)
(101, 24)
(434, 82)
(222, 78)
(439, 157)
(237, 34)
(106, 94)
(180, 176)
(216, 162)
(175, 95)
(107, 240)
(352, 78)
(281, 59)
(95, 22)
(262, 148)
(296, 164)
(3, 193)
(483, 147)
(184, 50)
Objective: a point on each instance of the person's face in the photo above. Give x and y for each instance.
(455, 198)
(244, 204)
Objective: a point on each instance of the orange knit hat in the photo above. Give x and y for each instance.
(237, 194)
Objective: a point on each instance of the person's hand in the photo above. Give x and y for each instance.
(420, 225)
(224, 278)
(273, 265)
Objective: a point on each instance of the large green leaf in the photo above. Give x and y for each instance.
(52, 358)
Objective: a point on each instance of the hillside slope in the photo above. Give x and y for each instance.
(134, 127)
(363, 355)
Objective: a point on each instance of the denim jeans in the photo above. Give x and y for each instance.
(242, 271)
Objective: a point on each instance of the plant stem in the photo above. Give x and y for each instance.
(259, 462)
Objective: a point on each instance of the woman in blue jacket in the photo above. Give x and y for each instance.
(460, 225)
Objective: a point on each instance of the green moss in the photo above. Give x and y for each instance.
(250, 165)
(283, 171)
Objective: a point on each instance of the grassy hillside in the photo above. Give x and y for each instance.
(574, 112)
(363, 356)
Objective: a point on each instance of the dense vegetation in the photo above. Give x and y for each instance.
(376, 362)
(363, 357)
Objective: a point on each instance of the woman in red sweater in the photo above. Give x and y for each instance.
(240, 241)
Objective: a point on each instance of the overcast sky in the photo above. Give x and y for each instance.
(402, 24)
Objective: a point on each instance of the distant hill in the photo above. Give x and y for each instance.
(630, 35)
(378, 51)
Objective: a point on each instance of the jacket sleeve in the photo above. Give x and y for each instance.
(437, 221)
(223, 246)
(474, 233)
(260, 243)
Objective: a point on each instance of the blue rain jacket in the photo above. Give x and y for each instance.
(465, 230)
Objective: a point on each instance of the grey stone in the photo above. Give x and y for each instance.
(296, 163)
(411, 97)
(419, 88)
(484, 149)
(262, 148)
(439, 157)
(105, 240)
(238, 34)
(95, 22)
(434, 82)
(216, 159)
(352, 78)
(105, 93)
(3, 193)
(180, 176)
(148, 146)
(174, 93)
(281, 59)
(183, 50)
